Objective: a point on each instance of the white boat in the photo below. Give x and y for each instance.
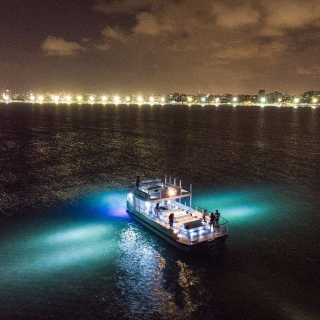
(154, 203)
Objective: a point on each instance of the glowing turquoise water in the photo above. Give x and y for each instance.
(69, 250)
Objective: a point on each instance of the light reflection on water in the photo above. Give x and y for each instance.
(150, 284)
(69, 250)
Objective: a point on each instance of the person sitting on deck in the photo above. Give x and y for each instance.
(216, 218)
(171, 218)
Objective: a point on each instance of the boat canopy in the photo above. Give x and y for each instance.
(156, 190)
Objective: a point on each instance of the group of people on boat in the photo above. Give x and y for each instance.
(214, 218)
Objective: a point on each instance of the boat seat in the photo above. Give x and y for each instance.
(196, 229)
(193, 224)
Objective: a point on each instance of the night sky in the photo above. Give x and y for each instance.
(160, 46)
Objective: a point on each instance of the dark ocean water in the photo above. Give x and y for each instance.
(69, 250)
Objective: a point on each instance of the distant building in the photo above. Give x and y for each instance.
(311, 93)
(201, 98)
(254, 99)
(261, 94)
(191, 98)
(226, 98)
(244, 98)
(183, 98)
(273, 97)
(176, 98)
(308, 96)
(8, 94)
(50, 97)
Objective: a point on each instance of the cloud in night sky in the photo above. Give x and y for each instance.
(114, 33)
(55, 46)
(235, 17)
(187, 46)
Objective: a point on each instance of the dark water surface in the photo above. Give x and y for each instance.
(68, 249)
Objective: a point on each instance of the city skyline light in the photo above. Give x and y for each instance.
(160, 46)
(309, 98)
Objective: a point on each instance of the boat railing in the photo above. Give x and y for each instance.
(138, 192)
(202, 234)
(184, 207)
(223, 227)
(161, 192)
(149, 214)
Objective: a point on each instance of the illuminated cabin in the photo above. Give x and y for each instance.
(154, 203)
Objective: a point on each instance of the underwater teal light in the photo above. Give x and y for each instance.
(92, 231)
(241, 205)
(63, 257)
(242, 211)
(62, 250)
(110, 204)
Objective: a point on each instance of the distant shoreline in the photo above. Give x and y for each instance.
(279, 105)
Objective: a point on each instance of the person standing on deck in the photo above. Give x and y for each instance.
(171, 218)
(216, 218)
(212, 220)
(204, 211)
(156, 210)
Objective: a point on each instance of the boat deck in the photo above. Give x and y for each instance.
(198, 230)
